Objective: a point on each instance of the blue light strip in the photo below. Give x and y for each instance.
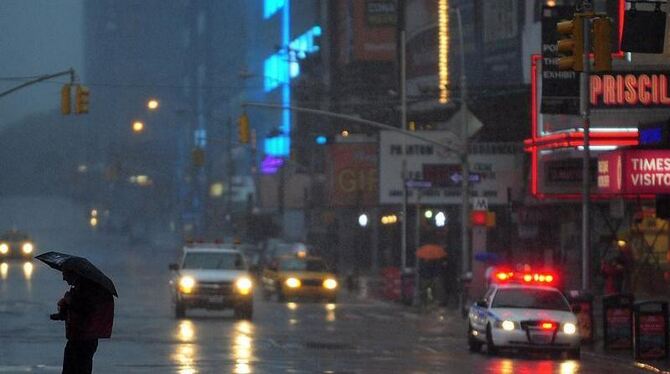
(270, 7)
(286, 89)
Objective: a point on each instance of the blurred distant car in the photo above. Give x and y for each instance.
(299, 276)
(212, 276)
(16, 244)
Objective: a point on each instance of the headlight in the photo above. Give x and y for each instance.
(4, 248)
(506, 325)
(27, 248)
(569, 328)
(330, 284)
(186, 284)
(244, 285)
(293, 283)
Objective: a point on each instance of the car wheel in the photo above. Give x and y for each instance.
(575, 354)
(179, 310)
(490, 347)
(473, 344)
(244, 311)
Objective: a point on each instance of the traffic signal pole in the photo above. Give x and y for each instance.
(586, 174)
(42, 78)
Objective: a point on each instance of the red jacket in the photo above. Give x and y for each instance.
(89, 313)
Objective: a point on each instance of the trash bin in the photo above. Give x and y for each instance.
(650, 330)
(581, 303)
(618, 322)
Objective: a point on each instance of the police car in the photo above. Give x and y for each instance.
(523, 310)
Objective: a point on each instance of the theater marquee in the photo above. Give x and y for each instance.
(630, 89)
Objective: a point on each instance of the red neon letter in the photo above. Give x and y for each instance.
(609, 90)
(596, 88)
(619, 89)
(665, 100)
(631, 89)
(644, 83)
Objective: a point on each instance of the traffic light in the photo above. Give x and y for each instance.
(81, 105)
(65, 100)
(243, 128)
(572, 46)
(323, 139)
(602, 45)
(198, 157)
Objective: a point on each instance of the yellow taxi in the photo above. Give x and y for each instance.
(299, 276)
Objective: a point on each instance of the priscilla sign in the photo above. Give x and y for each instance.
(635, 172)
(630, 89)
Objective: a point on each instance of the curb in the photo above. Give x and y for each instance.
(649, 367)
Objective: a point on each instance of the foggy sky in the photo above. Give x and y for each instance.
(38, 37)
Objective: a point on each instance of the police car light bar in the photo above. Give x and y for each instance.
(535, 278)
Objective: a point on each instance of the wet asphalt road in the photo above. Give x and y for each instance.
(354, 336)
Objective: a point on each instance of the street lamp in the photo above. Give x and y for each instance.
(363, 220)
(138, 126)
(153, 104)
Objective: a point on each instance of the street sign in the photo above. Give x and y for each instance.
(480, 203)
(458, 177)
(418, 184)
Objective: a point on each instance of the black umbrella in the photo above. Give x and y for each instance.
(80, 266)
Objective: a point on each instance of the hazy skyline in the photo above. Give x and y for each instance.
(39, 37)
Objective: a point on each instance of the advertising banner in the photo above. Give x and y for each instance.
(635, 171)
(501, 39)
(365, 31)
(353, 174)
(494, 167)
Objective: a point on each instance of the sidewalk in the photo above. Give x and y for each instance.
(366, 291)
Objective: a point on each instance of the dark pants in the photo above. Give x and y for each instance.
(78, 357)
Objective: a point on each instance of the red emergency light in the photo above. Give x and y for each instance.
(539, 278)
(548, 325)
(503, 276)
(544, 278)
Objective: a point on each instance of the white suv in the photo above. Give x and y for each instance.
(212, 276)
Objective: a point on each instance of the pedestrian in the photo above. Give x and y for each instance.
(88, 312)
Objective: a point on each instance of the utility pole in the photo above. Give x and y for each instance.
(403, 125)
(466, 256)
(586, 174)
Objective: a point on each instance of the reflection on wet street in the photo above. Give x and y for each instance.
(354, 335)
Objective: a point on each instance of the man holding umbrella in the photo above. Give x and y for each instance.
(87, 309)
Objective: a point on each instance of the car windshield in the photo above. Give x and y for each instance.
(530, 299)
(213, 261)
(302, 265)
(14, 236)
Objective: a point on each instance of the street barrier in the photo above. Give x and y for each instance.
(391, 283)
(407, 281)
(618, 322)
(582, 303)
(650, 330)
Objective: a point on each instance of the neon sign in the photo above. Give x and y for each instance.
(629, 89)
(283, 66)
(271, 7)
